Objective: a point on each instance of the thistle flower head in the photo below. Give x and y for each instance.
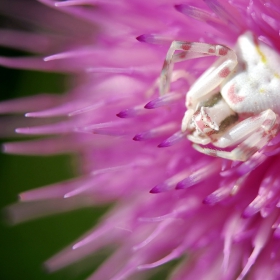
(220, 217)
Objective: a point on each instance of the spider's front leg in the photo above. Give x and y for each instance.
(190, 50)
(257, 132)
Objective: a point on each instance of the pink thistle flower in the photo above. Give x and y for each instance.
(169, 201)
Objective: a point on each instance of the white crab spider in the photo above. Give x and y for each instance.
(235, 102)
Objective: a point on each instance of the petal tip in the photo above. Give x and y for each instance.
(180, 186)
(122, 115)
(149, 105)
(179, 7)
(137, 137)
(155, 190)
(141, 38)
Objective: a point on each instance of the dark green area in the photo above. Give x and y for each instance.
(15, 83)
(25, 247)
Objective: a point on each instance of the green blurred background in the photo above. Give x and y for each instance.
(25, 247)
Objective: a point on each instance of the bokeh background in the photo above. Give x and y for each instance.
(25, 247)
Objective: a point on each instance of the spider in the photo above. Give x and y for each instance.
(233, 103)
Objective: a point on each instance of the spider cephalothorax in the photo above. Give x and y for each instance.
(233, 103)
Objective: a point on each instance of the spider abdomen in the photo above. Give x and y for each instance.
(254, 86)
